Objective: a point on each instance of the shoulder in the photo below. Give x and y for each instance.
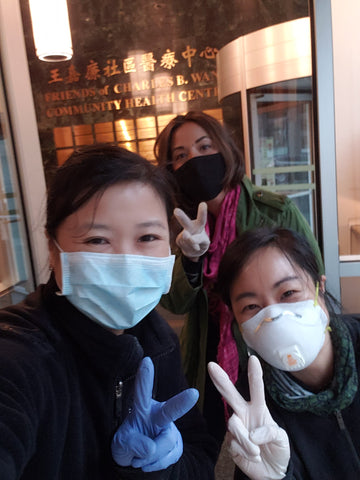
(264, 198)
(352, 322)
(30, 365)
(26, 333)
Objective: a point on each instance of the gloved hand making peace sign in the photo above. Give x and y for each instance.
(258, 445)
(148, 438)
(193, 241)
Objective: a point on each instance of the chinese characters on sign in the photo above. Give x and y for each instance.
(141, 89)
(146, 63)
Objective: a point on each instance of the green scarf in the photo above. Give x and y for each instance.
(340, 393)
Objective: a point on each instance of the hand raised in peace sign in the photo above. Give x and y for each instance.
(258, 445)
(148, 438)
(193, 240)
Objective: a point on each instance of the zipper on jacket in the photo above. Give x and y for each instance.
(343, 428)
(118, 399)
(340, 420)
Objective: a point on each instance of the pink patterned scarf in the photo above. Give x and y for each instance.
(224, 233)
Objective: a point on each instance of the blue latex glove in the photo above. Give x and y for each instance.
(148, 438)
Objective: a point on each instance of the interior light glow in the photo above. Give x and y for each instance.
(51, 30)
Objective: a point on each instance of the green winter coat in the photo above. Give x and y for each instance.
(257, 207)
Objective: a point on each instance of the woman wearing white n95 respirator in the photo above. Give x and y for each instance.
(298, 422)
(90, 374)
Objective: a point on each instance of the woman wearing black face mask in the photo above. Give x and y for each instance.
(213, 191)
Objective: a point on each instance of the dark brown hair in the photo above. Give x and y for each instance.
(235, 167)
(293, 245)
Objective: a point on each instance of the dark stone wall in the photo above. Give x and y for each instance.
(111, 30)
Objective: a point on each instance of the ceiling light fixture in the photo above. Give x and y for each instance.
(51, 30)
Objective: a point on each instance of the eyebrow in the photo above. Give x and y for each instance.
(101, 226)
(152, 223)
(285, 279)
(98, 226)
(180, 147)
(276, 285)
(244, 295)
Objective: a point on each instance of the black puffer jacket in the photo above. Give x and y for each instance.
(60, 401)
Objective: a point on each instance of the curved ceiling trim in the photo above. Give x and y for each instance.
(272, 54)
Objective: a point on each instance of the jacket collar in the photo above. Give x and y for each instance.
(102, 348)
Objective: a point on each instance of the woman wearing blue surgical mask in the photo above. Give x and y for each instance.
(90, 375)
(304, 424)
(218, 202)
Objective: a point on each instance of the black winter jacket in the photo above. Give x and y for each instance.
(325, 447)
(66, 384)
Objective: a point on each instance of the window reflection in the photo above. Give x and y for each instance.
(137, 135)
(125, 130)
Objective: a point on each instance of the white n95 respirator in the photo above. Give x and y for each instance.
(288, 336)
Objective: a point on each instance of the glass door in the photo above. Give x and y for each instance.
(16, 277)
(281, 140)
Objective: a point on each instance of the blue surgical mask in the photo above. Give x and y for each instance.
(115, 290)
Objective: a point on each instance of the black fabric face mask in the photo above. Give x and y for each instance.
(200, 178)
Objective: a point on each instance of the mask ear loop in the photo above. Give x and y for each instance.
(59, 293)
(57, 245)
(316, 294)
(316, 303)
